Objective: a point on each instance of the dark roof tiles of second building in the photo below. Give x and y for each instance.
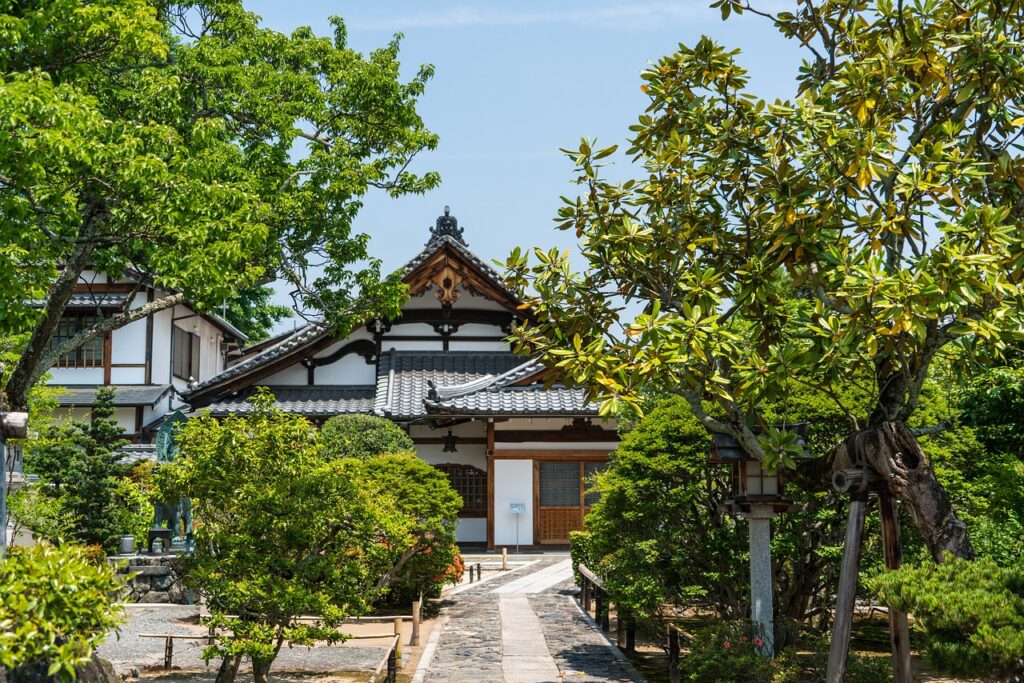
(310, 401)
(404, 376)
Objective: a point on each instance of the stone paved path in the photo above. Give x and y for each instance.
(522, 627)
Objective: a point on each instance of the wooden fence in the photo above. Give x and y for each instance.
(592, 592)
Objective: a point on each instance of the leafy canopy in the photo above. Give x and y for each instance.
(55, 608)
(78, 465)
(363, 436)
(184, 142)
(888, 191)
(285, 531)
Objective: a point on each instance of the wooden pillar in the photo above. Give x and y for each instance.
(620, 628)
(843, 621)
(417, 605)
(673, 654)
(168, 651)
(899, 633)
(397, 624)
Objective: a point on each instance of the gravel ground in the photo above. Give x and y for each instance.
(126, 650)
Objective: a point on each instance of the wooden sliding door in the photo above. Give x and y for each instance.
(560, 497)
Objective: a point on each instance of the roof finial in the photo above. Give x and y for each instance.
(447, 225)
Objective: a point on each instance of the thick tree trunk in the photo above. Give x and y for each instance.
(261, 672)
(892, 451)
(228, 670)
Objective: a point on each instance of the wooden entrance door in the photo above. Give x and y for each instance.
(561, 500)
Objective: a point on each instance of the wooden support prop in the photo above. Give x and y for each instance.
(393, 664)
(168, 651)
(398, 636)
(414, 640)
(843, 621)
(899, 632)
(673, 655)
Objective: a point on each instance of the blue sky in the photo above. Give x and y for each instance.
(514, 82)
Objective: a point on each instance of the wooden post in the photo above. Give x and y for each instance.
(620, 628)
(673, 654)
(414, 640)
(393, 665)
(398, 632)
(631, 637)
(598, 607)
(585, 593)
(606, 612)
(843, 621)
(168, 651)
(213, 634)
(899, 633)
(504, 559)
(479, 571)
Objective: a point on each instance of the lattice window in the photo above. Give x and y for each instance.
(470, 483)
(185, 354)
(89, 354)
(559, 484)
(589, 470)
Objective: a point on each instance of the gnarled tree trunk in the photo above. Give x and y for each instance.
(892, 450)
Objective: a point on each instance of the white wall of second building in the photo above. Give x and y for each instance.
(513, 483)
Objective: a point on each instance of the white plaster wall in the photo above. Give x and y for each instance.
(497, 346)
(412, 346)
(478, 330)
(471, 530)
(75, 376)
(128, 343)
(127, 375)
(352, 369)
(513, 483)
(408, 329)
(125, 416)
(162, 346)
(293, 375)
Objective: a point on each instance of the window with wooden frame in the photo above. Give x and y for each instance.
(87, 355)
(470, 483)
(185, 354)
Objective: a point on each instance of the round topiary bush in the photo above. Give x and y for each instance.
(362, 436)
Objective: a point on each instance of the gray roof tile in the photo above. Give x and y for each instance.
(404, 377)
(299, 338)
(311, 401)
(496, 395)
(124, 395)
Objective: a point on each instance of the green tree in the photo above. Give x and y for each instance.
(283, 531)
(56, 607)
(363, 436)
(657, 533)
(252, 312)
(184, 142)
(424, 555)
(888, 189)
(78, 463)
(971, 613)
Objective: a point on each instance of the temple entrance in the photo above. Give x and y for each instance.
(560, 497)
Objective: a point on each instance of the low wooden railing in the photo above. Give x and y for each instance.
(592, 591)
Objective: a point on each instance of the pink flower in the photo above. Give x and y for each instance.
(727, 644)
(757, 641)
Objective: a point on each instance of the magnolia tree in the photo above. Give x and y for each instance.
(887, 195)
(186, 145)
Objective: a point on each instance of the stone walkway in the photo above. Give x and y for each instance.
(522, 627)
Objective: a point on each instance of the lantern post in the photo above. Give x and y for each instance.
(756, 495)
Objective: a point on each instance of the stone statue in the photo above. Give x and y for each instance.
(176, 516)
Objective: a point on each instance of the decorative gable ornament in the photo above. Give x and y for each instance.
(447, 226)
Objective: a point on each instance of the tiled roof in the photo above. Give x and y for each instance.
(496, 395)
(311, 401)
(136, 452)
(437, 241)
(405, 377)
(299, 338)
(124, 395)
(87, 300)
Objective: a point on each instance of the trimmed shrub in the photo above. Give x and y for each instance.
(362, 436)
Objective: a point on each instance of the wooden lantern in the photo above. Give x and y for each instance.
(751, 483)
